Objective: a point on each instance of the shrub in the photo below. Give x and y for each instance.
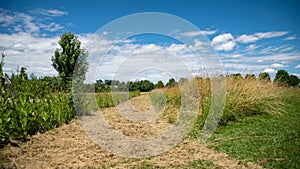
(32, 108)
(250, 97)
(264, 76)
(244, 97)
(282, 78)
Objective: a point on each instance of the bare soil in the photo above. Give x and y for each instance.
(70, 147)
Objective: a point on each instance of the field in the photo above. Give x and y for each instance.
(259, 128)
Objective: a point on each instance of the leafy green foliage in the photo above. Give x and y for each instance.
(264, 76)
(171, 82)
(64, 60)
(2, 64)
(105, 100)
(250, 77)
(236, 76)
(29, 106)
(159, 84)
(282, 78)
(146, 85)
(294, 80)
(116, 85)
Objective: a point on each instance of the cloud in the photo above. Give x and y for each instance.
(260, 35)
(177, 48)
(247, 38)
(148, 48)
(276, 49)
(269, 70)
(201, 32)
(224, 42)
(50, 12)
(251, 47)
(272, 34)
(22, 21)
(6, 18)
(52, 27)
(290, 38)
(296, 74)
(30, 22)
(289, 57)
(26, 50)
(277, 65)
(297, 66)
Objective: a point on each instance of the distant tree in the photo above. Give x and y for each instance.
(134, 86)
(159, 84)
(146, 86)
(294, 80)
(100, 81)
(23, 75)
(108, 82)
(171, 82)
(2, 64)
(250, 77)
(64, 59)
(264, 76)
(282, 78)
(182, 80)
(236, 76)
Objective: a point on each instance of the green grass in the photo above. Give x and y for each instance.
(200, 164)
(273, 141)
(158, 100)
(105, 100)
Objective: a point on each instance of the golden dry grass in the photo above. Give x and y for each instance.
(244, 97)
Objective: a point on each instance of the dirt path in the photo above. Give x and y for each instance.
(70, 147)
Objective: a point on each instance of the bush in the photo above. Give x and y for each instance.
(29, 107)
(282, 78)
(250, 97)
(244, 97)
(264, 76)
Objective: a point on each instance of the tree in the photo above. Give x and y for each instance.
(250, 77)
(294, 80)
(134, 86)
(146, 86)
(2, 64)
(236, 76)
(171, 82)
(264, 76)
(282, 78)
(23, 75)
(64, 59)
(159, 84)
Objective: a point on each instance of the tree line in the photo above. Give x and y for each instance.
(282, 78)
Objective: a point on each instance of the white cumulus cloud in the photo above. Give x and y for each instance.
(277, 65)
(269, 70)
(224, 42)
(247, 38)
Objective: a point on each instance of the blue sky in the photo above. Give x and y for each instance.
(249, 36)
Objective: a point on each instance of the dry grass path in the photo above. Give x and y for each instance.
(70, 147)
